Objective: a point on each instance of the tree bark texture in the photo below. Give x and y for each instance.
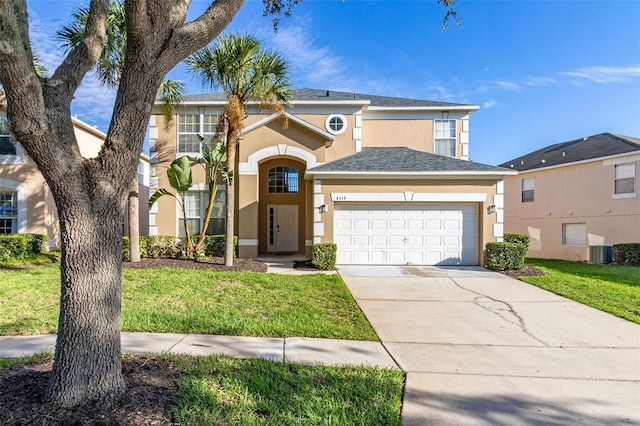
(134, 222)
(231, 198)
(90, 194)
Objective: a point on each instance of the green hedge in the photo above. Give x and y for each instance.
(155, 246)
(523, 239)
(504, 256)
(324, 256)
(214, 245)
(627, 254)
(12, 246)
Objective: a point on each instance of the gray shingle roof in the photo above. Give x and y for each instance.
(328, 96)
(591, 147)
(402, 160)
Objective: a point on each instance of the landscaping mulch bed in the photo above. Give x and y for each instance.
(215, 263)
(148, 399)
(526, 271)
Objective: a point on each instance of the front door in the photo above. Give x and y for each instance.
(282, 228)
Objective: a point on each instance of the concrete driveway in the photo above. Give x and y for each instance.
(482, 348)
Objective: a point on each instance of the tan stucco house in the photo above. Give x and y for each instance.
(576, 194)
(386, 179)
(26, 204)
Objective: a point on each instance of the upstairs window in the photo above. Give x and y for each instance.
(192, 125)
(336, 124)
(624, 180)
(7, 145)
(445, 137)
(528, 187)
(283, 180)
(8, 213)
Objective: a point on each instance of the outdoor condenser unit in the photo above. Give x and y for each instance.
(600, 254)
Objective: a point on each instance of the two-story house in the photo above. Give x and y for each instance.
(576, 194)
(386, 179)
(26, 204)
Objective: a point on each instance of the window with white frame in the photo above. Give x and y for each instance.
(528, 189)
(192, 125)
(195, 203)
(7, 144)
(336, 124)
(445, 137)
(624, 179)
(8, 213)
(574, 234)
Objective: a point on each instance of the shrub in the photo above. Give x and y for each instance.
(504, 256)
(324, 255)
(162, 246)
(523, 239)
(126, 254)
(12, 246)
(37, 243)
(214, 245)
(627, 254)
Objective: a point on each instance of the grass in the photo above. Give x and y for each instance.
(610, 288)
(197, 301)
(219, 390)
(32, 260)
(222, 390)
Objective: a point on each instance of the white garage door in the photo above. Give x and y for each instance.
(398, 234)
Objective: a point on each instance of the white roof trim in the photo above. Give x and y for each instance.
(576, 163)
(425, 108)
(326, 135)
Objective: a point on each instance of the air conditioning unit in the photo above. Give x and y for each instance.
(600, 254)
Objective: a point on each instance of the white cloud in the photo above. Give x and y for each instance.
(605, 75)
(506, 85)
(490, 104)
(540, 81)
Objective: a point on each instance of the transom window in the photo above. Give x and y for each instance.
(528, 189)
(8, 213)
(283, 180)
(624, 181)
(336, 124)
(7, 145)
(190, 125)
(195, 203)
(445, 137)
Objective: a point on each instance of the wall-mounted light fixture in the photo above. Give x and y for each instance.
(201, 109)
(444, 114)
(322, 208)
(491, 208)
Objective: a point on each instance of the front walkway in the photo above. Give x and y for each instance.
(484, 349)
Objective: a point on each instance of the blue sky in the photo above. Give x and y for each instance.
(542, 72)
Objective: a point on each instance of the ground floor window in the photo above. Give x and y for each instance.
(195, 205)
(8, 213)
(574, 234)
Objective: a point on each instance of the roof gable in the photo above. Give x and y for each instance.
(588, 148)
(328, 137)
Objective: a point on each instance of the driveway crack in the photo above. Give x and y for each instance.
(504, 310)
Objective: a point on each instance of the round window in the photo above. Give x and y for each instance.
(336, 124)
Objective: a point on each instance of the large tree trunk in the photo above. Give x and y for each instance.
(134, 222)
(88, 359)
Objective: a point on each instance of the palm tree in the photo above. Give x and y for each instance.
(238, 66)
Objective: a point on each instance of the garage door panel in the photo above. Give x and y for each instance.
(418, 233)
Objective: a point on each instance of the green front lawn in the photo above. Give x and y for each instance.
(197, 301)
(610, 288)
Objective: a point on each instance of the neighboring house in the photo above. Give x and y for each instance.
(386, 179)
(575, 194)
(26, 204)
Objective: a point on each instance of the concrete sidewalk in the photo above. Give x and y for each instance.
(299, 350)
(480, 348)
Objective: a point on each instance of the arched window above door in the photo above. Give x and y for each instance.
(283, 180)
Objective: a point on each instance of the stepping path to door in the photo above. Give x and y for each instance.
(481, 348)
